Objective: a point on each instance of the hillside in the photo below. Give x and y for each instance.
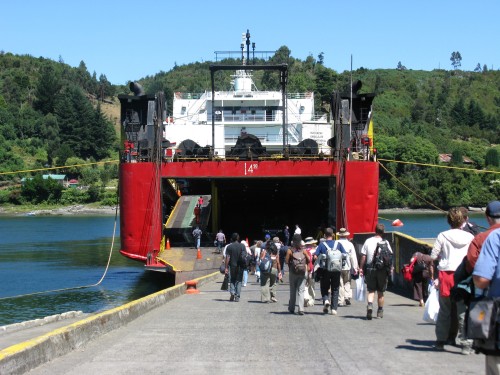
(51, 113)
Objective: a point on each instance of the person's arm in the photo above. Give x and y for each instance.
(307, 255)
(362, 264)
(227, 263)
(287, 256)
(481, 282)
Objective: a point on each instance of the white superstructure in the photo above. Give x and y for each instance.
(242, 110)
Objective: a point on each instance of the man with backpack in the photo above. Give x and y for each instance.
(376, 266)
(333, 254)
(233, 268)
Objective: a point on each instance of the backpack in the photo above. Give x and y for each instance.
(244, 259)
(333, 258)
(298, 262)
(383, 256)
(265, 264)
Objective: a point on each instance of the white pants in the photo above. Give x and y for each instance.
(345, 291)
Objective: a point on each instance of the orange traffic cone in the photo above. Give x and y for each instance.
(198, 254)
(168, 244)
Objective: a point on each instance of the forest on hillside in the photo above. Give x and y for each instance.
(52, 114)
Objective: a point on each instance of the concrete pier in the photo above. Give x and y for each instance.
(205, 333)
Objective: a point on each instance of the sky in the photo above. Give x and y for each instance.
(127, 40)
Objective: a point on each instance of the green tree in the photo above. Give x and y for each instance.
(492, 158)
(47, 89)
(456, 60)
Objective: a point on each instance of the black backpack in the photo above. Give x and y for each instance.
(383, 256)
(244, 258)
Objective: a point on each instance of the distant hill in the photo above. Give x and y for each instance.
(50, 112)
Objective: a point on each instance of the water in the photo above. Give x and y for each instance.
(425, 225)
(43, 253)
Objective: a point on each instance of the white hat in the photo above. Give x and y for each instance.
(343, 232)
(310, 241)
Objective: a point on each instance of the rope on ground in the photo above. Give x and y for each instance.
(77, 287)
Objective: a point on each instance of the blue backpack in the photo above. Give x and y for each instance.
(265, 264)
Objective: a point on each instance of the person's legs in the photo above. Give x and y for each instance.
(272, 285)
(245, 277)
(324, 286)
(342, 296)
(462, 336)
(293, 291)
(237, 285)
(443, 321)
(301, 285)
(264, 287)
(335, 284)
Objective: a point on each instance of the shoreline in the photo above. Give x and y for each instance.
(111, 210)
(60, 211)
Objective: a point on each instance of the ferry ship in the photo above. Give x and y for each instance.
(241, 160)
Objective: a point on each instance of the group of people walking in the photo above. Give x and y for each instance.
(333, 263)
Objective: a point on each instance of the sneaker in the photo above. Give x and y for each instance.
(369, 311)
(347, 302)
(244, 284)
(380, 313)
(301, 312)
(236, 299)
(326, 307)
(439, 345)
(467, 350)
(291, 311)
(232, 297)
(273, 299)
(333, 312)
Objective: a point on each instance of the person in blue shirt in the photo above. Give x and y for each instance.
(329, 279)
(486, 275)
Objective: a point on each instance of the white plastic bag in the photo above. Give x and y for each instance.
(432, 306)
(309, 293)
(360, 289)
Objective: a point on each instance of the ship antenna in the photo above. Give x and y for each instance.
(248, 45)
(350, 116)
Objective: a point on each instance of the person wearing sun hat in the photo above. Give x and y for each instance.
(350, 267)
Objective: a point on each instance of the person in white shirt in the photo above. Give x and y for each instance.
(350, 267)
(297, 229)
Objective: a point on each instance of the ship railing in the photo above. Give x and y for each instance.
(299, 95)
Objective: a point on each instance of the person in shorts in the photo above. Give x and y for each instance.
(375, 279)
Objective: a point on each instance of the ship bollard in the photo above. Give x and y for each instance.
(198, 254)
(191, 287)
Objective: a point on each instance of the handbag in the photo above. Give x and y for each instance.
(407, 270)
(225, 283)
(222, 267)
(360, 289)
(431, 306)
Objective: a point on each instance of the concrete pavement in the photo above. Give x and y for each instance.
(206, 334)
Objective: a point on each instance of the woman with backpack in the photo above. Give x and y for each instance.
(297, 258)
(270, 271)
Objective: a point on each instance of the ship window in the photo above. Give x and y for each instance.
(183, 110)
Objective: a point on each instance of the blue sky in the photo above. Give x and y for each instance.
(127, 40)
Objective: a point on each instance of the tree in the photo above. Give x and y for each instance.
(477, 68)
(47, 89)
(321, 58)
(400, 66)
(456, 60)
(492, 158)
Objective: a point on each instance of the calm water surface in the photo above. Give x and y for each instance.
(41, 253)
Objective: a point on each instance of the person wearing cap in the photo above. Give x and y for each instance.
(309, 294)
(486, 273)
(350, 267)
(493, 218)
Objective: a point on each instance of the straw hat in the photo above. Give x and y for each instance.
(343, 232)
(310, 241)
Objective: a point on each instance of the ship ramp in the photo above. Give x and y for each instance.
(182, 219)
